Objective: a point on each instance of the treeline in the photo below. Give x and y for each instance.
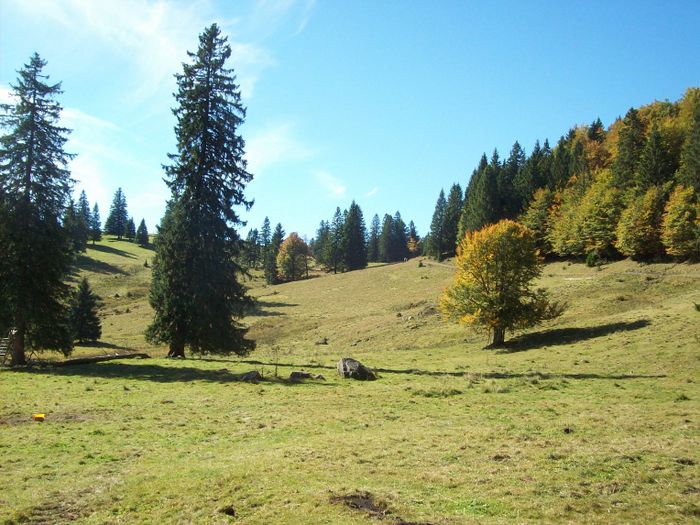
(341, 244)
(83, 225)
(629, 190)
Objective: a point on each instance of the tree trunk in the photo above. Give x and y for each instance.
(177, 349)
(499, 336)
(19, 357)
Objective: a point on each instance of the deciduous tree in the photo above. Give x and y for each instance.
(493, 282)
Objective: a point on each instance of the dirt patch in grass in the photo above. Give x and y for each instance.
(369, 504)
(56, 417)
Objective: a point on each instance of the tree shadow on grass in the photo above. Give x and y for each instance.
(111, 250)
(93, 265)
(156, 373)
(105, 345)
(565, 336)
(259, 308)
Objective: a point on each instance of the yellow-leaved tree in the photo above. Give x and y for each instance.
(493, 284)
(293, 258)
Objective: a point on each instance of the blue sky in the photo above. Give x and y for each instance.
(384, 102)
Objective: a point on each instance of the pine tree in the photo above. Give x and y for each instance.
(481, 201)
(130, 229)
(85, 322)
(95, 225)
(530, 177)
(270, 268)
(84, 218)
(373, 243)
(355, 239)
(399, 239)
(252, 248)
(510, 203)
(142, 234)
(118, 215)
(536, 217)
(629, 148)
(453, 209)
(414, 240)
(72, 227)
(336, 248)
(195, 292)
(654, 167)
(437, 228)
(265, 235)
(385, 238)
(34, 187)
(321, 250)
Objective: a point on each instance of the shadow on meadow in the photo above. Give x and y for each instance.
(89, 264)
(158, 373)
(259, 308)
(113, 251)
(565, 336)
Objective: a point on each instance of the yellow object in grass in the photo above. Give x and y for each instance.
(38, 417)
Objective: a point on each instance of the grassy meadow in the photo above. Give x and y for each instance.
(592, 418)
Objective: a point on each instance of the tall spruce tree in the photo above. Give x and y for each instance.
(629, 148)
(385, 238)
(453, 209)
(84, 218)
(437, 228)
(270, 264)
(95, 225)
(373, 242)
(654, 167)
(336, 248)
(118, 215)
(355, 239)
(142, 234)
(85, 322)
(130, 229)
(399, 239)
(320, 249)
(510, 202)
(35, 186)
(195, 292)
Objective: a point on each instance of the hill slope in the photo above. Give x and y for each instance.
(593, 418)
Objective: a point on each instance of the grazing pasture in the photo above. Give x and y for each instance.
(592, 418)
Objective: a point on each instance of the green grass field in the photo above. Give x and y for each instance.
(593, 418)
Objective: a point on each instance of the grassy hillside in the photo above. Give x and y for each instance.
(593, 418)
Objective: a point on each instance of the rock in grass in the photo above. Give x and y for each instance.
(250, 377)
(322, 341)
(350, 368)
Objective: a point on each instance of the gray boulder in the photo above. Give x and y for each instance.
(350, 368)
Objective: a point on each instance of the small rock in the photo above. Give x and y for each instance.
(322, 341)
(251, 377)
(353, 369)
(568, 430)
(399, 314)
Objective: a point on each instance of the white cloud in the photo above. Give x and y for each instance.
(274, 145)
(6, 96)
(153, 36)
(371, 192)
(334, 185)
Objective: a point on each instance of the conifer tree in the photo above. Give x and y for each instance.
(336, 248)
(130, 229)
(270, 263)
(385, 239)
(118, 215)
(530, 177)
(373, 243)
(252, 248)
(84, 218)
(195, 291)
(35, 186)
(355, 239)
(265, 235)
(95, 225)
(321, 249)
(72, 226)
(510, 203)
(453, 210)
(437, 228)
(414, 241)
(399, 238)
(142, 234)
(629, 148)
(536, 217)
(559, 171)
(85, 322)
(654, 167)
(481, 202)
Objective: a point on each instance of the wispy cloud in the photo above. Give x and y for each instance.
(6, 95)
(154, 35)
(334, 185)
(275, 145)
(371, 192)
